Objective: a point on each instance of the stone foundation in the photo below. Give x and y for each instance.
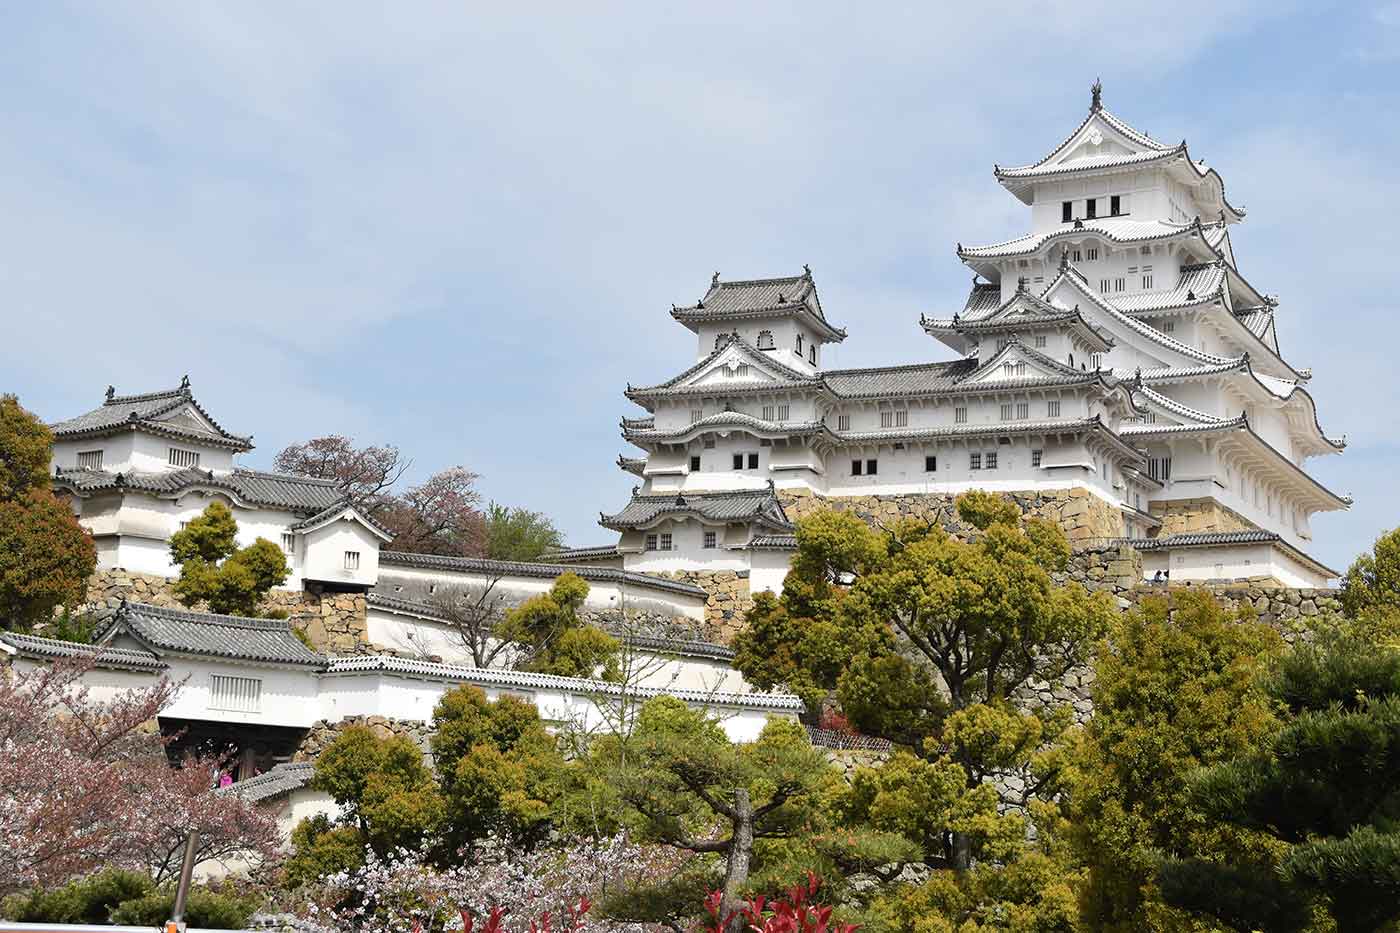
(1084, 516)
(1187, 516)
(729, 602)
(334, 622)
(325, 732)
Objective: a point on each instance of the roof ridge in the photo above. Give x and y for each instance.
(208, 618)
(738, 283)
(902, 367)
(292, 477)
(181, 392)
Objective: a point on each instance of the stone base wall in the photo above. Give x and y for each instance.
(1187, 516)
(334, 622)
(323, 733)
(1084, 516)
(729, 602)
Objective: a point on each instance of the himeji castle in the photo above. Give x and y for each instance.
(1114, 370)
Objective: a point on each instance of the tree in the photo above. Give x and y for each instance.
(925, 639)
(1325, 789)
(548, 636)
(1371, 588)
(474, 614)
(215, 570)
(46, 557)
(88, 786)
(519, 534)
(26, 446)
(1172, 692)
(498, 769)
(368, 474)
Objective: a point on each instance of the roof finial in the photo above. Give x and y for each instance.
(1096, 100)
(714, 279)
(185, 381)
(1064, 260)
(111, 392)
(806, 270)
(1190, 294)
(1021, 283)
(782, 300)
(700, 303)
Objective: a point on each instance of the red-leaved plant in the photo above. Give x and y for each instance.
(792, 913)
(570, 920)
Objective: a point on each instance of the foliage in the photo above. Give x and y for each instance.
(214, 570)
(549, 637)
(88, 786)
(45, 558)
(1172, 692)
(925, 639)
(1325, 789)
(25, 449)
(368, 474)
(498, 769)
(1371, 588)
(116, 896)
(792, 913)
(438, 516)
(513, 886)
(519, 534)
(206, 907)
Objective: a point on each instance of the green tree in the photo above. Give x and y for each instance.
(925, 639)
(551, 638)
(26, 446)
(214, 570)
(45, 555)
(498, 769)
(519, 534)
(1371, 588)
(1325, 788)
(1172, 692)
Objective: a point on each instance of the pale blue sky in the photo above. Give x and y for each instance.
(460, 230)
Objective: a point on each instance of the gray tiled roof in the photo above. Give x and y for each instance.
(275, 782)
(336, 508)
(1224, 539)
(1198, 283)
(1114, 229)
(526, 680)
(773, 542)
(984, 298)
(569, 555)
(388, 560)
(721, 421)
(1256, 320)
(294, 493)
(159, 412)
(209, 635)
(760, 505)
(755, 298)
(898, 380)
(51, 649)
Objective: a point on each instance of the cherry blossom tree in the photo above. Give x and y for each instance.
(87, 784)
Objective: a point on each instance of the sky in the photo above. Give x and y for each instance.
(459, 228)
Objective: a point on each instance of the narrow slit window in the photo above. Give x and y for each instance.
(695, 463)
(930, 464)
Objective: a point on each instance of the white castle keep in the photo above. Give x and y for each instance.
(1115, 349)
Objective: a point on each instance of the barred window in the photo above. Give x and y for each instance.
(843, 422)
(1052, 408)
(180, 457)
(960, 416)
(767, 412)
(1023, 411)
(239, 694)
(784, 411)
(696, 414)
(1040, 341)
(974, 461)
(710, 539)
(352, 560)
(289, 542)
(1006, 411)
(765, 340)
(695, 463)
(90, 460)
(991, 460)
(1035, 458)
(665, 541)
(1160, 468)
(651, 542)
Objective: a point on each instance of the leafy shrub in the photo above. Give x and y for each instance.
(207, 907)
(85, 900)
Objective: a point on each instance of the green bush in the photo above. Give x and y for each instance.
(127, 897)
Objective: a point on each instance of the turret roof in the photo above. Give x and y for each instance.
(164, 413)
(298, 494)
(206, 634)
(485, 567)
(1121, 230)
(1227, 539)
(758, 298)
(759, 505)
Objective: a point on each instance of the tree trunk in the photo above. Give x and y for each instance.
(736, 872)
(962, 852)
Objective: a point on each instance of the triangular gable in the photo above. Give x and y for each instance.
(343, 512)
(1070, 289)
(1101, 135)
(1025, 362)
(719, 368)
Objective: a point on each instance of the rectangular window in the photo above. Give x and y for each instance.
(886, 419)
(1119, 284)
(1091, 209)
(872, 467)
(239, 694)
(1159, 468)
(930, 464)
(1168, 327)
(765, 443)
(784, 412)
(856, 467)
(1052, 408)
(799, 344)
(1066, 211)
(974, 461)
(901, 418)
(1040, 341)
(183, 458)
(1146, 251)
(352, 560)
(695, 464)
(991, 460)
(753, 461)
(1103, 286)
(1035, 458)
(1006, 411)
(708, 442)
(89, 459)
(741, 371)
(1091, 254)
(289, 542)
(812, 354)
(1146, 276)
(1076, 256)
(696, 414)
(1023, 411)
(767, 412)
(651, 542)
(1096, 360)
(710, 539)
(843, 422)
(665, 541)
(738, 461)
(1115, 205)
(960, 416)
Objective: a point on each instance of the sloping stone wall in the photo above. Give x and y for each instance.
(319, 736)
(1187, 516)
(729, 602)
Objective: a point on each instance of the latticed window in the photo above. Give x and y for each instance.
(1040, 341)
(352, 560)
(1052, 408)
(240, 694)
(1006, 411)
(651, 542)
(179, 457)
(1023, 411)
(991, 460)
(843, 422)
(974, 461)
(90, 460)
(765, 340)
(1035, 458)
(960, 415)
(710, 539)
(665, 541)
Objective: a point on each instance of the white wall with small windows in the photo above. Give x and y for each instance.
(1232, 562)
(243, 692)
(683, 543)
(344, 552)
